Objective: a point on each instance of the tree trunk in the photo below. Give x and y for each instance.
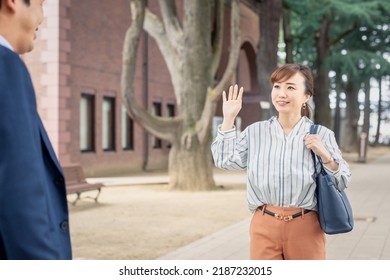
(367, 109)
(337, 118)
(337, 113)
(288, 38)
(321, 81)
(351, 140)
(190, 165)
(188, 54)
(270, 12)
(378, 126)
(191, 169)
(321, 98)
(363, 144)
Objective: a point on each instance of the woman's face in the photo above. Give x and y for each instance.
(289, 95)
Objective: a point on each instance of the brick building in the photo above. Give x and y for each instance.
(76, 70)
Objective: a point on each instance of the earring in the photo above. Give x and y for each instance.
(304, 106)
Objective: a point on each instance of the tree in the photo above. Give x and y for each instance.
(287, 36)
(351, 89)
(359, 57)
(192, 62)
(270, 12)
(319, 28)
(378, 126)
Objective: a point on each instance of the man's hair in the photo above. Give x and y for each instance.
(25, 1)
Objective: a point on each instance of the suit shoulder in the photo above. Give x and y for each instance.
(10, 64)
(7, 54)
(10, 61)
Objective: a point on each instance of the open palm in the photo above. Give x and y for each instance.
(232, 102)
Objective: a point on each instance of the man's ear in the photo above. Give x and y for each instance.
(10, 5)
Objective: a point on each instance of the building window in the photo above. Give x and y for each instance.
(108, 130)
(157, 143)
(171, 110)
(127, 130)
(171, 114)
(87, 123)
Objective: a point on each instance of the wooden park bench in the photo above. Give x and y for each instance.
(77, 184)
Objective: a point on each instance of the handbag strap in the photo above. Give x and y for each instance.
(313, 130)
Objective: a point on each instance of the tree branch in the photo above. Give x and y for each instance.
(203, 125)
(217, 48)
(235, 45)
(155, 28)
(161, 127)
(342, 35)
(171, 23)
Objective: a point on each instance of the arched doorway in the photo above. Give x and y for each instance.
(246, 76)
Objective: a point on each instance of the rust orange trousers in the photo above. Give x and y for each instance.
(276, 239)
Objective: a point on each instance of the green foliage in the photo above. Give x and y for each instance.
(357, 64)
(359, 34)
(365, 12)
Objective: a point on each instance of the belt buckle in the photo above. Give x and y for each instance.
(283, 218)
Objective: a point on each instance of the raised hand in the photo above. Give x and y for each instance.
(231, 106)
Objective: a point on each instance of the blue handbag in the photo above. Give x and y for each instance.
(334, 209)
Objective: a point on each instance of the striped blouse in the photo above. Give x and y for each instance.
(279, 167)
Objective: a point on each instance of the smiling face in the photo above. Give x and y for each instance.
(289, 95)
(292, 85)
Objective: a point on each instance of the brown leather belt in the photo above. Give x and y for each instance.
(281, 217)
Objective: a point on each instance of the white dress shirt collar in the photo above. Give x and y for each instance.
(5, 43)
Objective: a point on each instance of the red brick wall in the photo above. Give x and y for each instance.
(88, 60)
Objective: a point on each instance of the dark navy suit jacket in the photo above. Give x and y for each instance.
(33, 206)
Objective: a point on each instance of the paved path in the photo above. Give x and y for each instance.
(369, 194)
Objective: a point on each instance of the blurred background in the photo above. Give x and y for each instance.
(186, 47)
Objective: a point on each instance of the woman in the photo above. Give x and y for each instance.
(277, 156)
